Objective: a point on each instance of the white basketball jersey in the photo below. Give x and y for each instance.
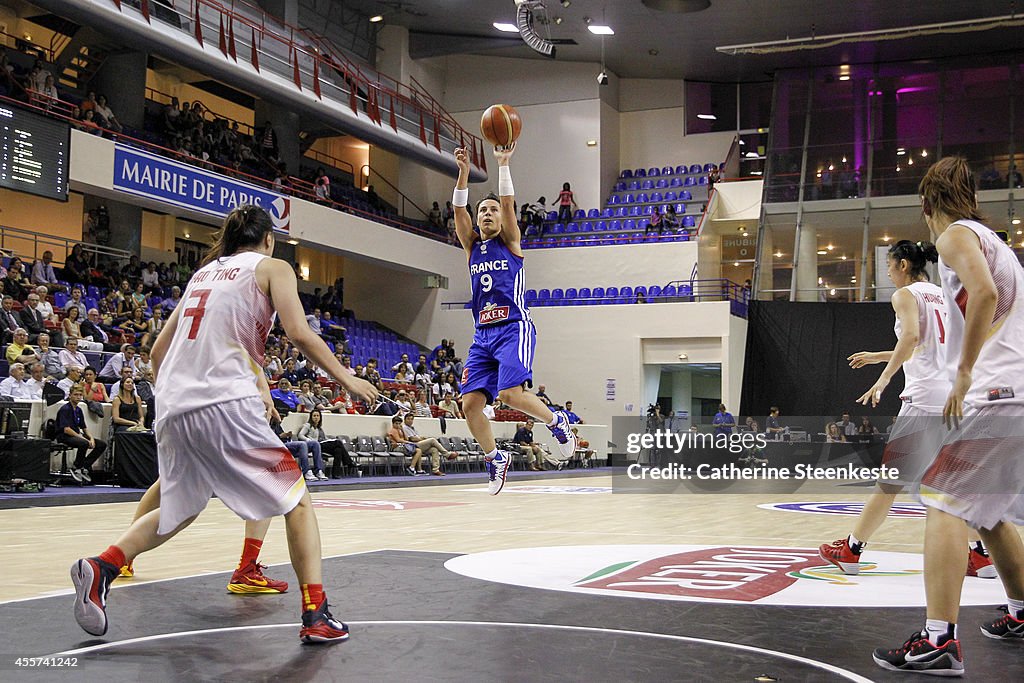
(998, 376)
(217, 349)
(926, 376)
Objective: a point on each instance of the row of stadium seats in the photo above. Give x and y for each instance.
(613, 225)
(607, 295)
(654, 197)
(660, 184)
(654, 172)
(606, 239)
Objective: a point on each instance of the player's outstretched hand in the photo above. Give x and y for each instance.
(363, 390)
(862, 358)
(462, 159)
(504, 153)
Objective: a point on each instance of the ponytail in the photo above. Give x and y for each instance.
(917, 254)
(245, 226)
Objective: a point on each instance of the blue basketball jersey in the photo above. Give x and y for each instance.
(498, 283)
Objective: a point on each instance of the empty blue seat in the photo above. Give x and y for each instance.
(571, 297)
(642, 224)
(656, 197)
(557, 295)
(614, 199)
(634, 185)
(594, 213)
(619, 212)
(680, 170)
(685, 195)
(583, 295)
(628, 199)
(94, 292)
(587, 227)
(606, 212)
(640, 173)
(596, 296)
(653, 173)
(599, 225)
(552, 215)
(703, 180)
(648, 210)
(557, 229)
(680, 209)
(690, 180)
(688, 222)
(633, 211)
(542, 297)
(695, 168)
(579, 213)
(629, 224)
(572, 228)
(666, 170)
(661, 184)
(648, 185)
(626, 295)
(626, 173)
(653, 292)
(610, 295)
(670, 196)
(619, 187)
(90, 302)
(59, 299)
(675, 182)
(642, 198)
(615, 225)
(685, 290)
(670, 290)
(708, 168)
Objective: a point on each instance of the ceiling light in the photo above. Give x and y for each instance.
(832, 292)
(853, 279)
(742, 143)
(924, 153)
(822, 252)
(843, 257)
(377, 18)
(558, 20)
(751, 155)
(707, 117)
(778, 254)
(831, 167)
(187, 236)
(566, 3)
(735, 264)
(844, 77)
(1016, 221)
(910, 161)
(831, 247)
(821, 280)
(599, 30)
(1020, 232)
(293, 242)
(886, 238)
(507, 28)
(898, 169)
(900, 152)
(591, 143)
(746, 234)
(755, 173)
(844, 158)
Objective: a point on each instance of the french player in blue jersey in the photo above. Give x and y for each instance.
(500, 359)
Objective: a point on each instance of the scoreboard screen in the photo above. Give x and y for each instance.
(34, 153)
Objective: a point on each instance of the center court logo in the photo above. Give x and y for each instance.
(728, 574)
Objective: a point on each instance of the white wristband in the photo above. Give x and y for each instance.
(505, 188)
(460, 197)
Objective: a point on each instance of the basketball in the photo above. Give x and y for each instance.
(500, 125)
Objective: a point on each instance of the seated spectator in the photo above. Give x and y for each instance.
(346, 363)
(73, 377)
(49, 358)
(45, 307)
(15, 283)
(671, 220)
(72, 431)
(49, 92)
(14, 386)
(448, 385)
(425, 445)
(108, 307)
(833, 434)
(404, 374)
(104, 110)
(76, 302)
(93, 330)
(170, 302)
(92, 389)
(111, 371)
(128, 410)
(399, 442)
(72, 356)
(285, 395)
(404, 360)
(657, 224)
(772, 426)
(171, 116)
(126, 372)
(574, 419)
(143, 366)
(402, 399)
(150, 277)
(36, 380)
(153, 326)
(136, 325)
(9, 321)
(301, 449)
(542, 395)
(293, 374)
(30, 317)
(305, 394)
(866, 428)
(331, 328)
(846, 426)
(89, 103)
(450, 407)
(138, 299)
(528, 447)
(89, 125)
(434, 217)
(313, 430)
(421, 408)
(44, 274)
(18, 351)
(76, 268)
(322, 190)
(343, 403)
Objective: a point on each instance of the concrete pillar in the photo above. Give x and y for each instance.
(122, 78)
(282, 9)
(807, 268)
(125, 223)
(287, 126)
(766, 270)
(682, 395)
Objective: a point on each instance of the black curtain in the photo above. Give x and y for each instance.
(796, 358)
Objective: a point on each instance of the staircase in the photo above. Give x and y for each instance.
(82, 58)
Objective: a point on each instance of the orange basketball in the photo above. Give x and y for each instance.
(500, 125)
(583, 443)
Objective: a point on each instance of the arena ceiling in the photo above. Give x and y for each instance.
(650, 43)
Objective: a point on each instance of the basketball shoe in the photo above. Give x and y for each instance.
(128, 571)
(979, 564)
(319, 626)
(841, 555)
(1007, 627)
(562, 432)
(92, 578)
(250, 579)
(497, 470)
(919, 655)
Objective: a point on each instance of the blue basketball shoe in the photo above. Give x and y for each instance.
(562, 431)
(497, 470)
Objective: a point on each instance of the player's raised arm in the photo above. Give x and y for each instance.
(510, 233)
(460, 198)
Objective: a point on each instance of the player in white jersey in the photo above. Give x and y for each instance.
(211, 428)
(976, 476)
(914, 442)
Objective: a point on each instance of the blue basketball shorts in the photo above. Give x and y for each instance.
(500, 357)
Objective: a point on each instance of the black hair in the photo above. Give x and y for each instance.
(917, 254)
(490, 195)
(245, 226)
